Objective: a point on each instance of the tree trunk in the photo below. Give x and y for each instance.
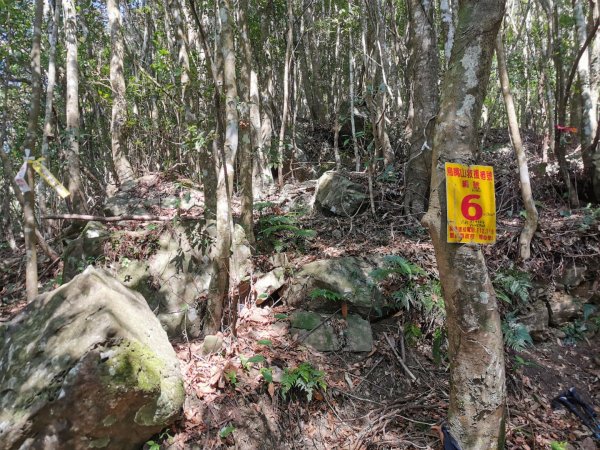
(52, 38)
(424, 68)
(286, 90)
(531, 220)
(476, 351)
(70, 23)
(224, 160)
(29, 228)
(248, 134)
(119, 104)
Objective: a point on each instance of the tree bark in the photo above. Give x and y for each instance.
(424, 68)
(52, 38)
(29, 228)
(248, 135)
(476, 351)
(75, 188)
(286, 90)
(119, 103)
(531, 219)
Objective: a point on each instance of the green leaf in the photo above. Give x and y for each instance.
(267, 342)
(257, 359)
(226, 431)
(280, 316)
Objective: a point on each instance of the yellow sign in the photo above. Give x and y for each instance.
(49, 178)
(471, 204)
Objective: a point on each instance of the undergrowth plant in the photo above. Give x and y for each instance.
(512, 287)
(281, 230)
(418, 289)
(303, 379)
(516, 335)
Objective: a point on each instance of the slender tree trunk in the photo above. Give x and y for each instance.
(119, 103)
(248, 132)
(286, 90)
(351, 95)
(29, 228)
(476, 350)
(589, 120)
(70, 23)
(52, 38)
(336, 100)
(531, 220)
(424, 68)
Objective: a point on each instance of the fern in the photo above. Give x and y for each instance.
(511, 285)
(304, 378)
(516, 335)
(326, 294)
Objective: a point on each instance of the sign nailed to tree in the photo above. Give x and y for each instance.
(471, 204)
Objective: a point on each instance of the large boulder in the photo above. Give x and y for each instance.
(86, 366)
(348, 277)
(338, 195)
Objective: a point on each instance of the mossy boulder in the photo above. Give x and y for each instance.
(348, 277)
(87, 365)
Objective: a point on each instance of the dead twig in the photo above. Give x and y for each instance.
(404, 366)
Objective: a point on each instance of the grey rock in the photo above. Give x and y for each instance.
(359, 335)
(328, 334)
(537, 321)
(348, 276)
(267, 284)
(564, 308)
(86, 366)
(212, 344)
(338, 195)
(572, 276)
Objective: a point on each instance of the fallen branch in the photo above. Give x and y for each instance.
(142, 218)
(404, 366)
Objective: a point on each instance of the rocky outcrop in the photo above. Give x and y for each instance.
(337, 195)
(171, 264)
(86, 366)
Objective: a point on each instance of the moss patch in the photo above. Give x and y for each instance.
(135, 366)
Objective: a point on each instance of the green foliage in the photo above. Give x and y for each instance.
(153, 445)
(522, 362)
(281, 231)
(247, 363)
(516, 335)
(266, 342)
(231, 377)
(555, 445)
(418, 291)
(412, 333)
(590, 217)
(280, 316)
(267, 374)
(439, 337)
(304, 378)
(226, 431)
(325, 294)
(512, 285)
(396, 265)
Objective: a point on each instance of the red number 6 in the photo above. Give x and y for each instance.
(467, 204)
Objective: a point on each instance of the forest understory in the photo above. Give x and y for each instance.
(370, 400)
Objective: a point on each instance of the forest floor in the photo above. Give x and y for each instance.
(370, 400)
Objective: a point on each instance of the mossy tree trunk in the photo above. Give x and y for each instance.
(477, 390)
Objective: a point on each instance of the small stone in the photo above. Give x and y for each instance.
(212, 344)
